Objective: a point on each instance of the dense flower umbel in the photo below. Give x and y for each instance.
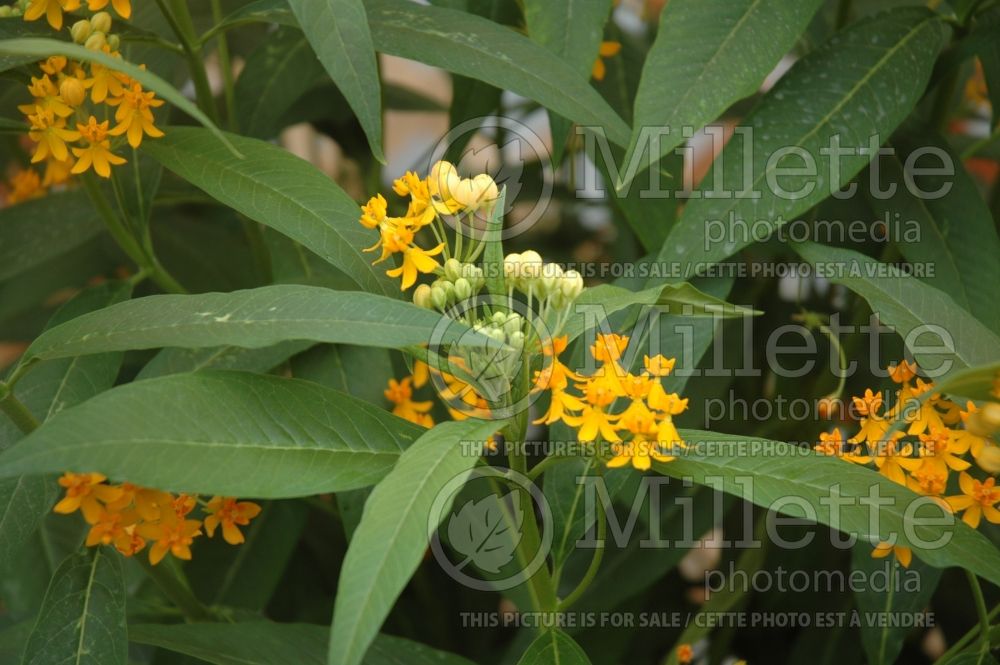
(81, 114)
(935, 440)
(128, 517)
(640, 433)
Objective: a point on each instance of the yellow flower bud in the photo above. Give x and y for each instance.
(72, 91)
(96, 41)
(80, 31)
(114, 42)
(985, 421)
(422, 297)
(101, 22)
(476, 193)
(572, 285)
(6, 11)
(443, 180)
(989, 459)
(531, 264)
(512, 266)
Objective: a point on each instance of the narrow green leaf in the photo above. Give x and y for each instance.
(258, 11)
(39, 49)
(707, 55)
(765, 472)
(50, 388)
(977, 383)
(339, 34)
(82, 620)
(252, 319)
(493, 254)
(216, 432)
(478, 48)
(862, 82)
(554, 647)
(266, 643)
(942, 332)
(277, 189)
(883, 638)
(70, 221)
(176, 360)
(391, 540)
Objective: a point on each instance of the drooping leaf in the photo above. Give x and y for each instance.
(394, 531)
(780, 470)
(70, 221)
(252, 319)
(942, 335)
(277, 189)
(554, 647)
(883, 638)
(339, 34)
(266, 643)
(218, 432)
(82, 620)
(707, 55)
(40, 49)
(863, 82)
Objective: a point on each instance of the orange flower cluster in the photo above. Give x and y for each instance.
(647, 420)
(81, 113)
(128, 517)
(938, 438)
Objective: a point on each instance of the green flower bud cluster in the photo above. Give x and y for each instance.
(527, 273)
(7, 11)
(503, 327)
(460, 282)
(94, 33)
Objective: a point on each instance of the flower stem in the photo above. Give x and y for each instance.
(984, 619)
(16, 410)
(595, 561)
(171, 581)
(965, 639)
(179, 18)
(226, 66)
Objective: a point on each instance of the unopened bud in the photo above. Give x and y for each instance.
(513, 324)
(439, 297)
(442, 180)
(101, 22)
(989, 459)
(114, 42)
(531, 264)
(516, 339)
(422, 296)
(72, 91)
(572, 285)
(452, 269)
(985, 421)
(512, 267)
(80, 31)
(96, 42)
(6, 11)
(463, 290)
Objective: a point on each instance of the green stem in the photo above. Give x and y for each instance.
(179, 18)
(980, 144)
(844, 13)
(595, 561)
(984, 619)
(229, 91)
(965, 639)
(942, 102)
(171, 581)
(16, 410)
(545, 464)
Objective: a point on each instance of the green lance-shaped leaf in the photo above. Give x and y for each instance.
(53, 386)
(572, 29)
(176, 360)
(476, 47)
(39, 49)
(70, 221)
(274, 187)
(339, 34)
(217, 432)
(707, 55)
(788, 478)
(252, 319)
(554, 646)
(82, 620)
(266, 643)
(936, 329)
(395, 528)
(480, 533)
(863, 82)
(885, 598)
(978, 383)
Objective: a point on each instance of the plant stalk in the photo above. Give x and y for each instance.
(16, 410)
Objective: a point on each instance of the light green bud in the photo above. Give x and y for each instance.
(452, 269)
(114, 42)
(96, 41)
(80, 31)
(572, 285)
(6, 10)
(516, 339)
(513, 324)
(101, 22)
(439, 297)
(463, 289)
(422, 297)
